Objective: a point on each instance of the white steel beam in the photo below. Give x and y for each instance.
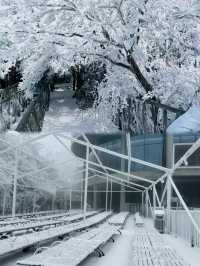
(86, 181)
(108, 169)
(116, 181)
(116, 178)
(119, 155)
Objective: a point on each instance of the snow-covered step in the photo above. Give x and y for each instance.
(73, 251)
(37, 225)
(15, 244)
(119, 219)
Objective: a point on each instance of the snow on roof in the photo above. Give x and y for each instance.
(187, 123)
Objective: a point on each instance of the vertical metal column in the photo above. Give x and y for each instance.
(65, 199)
(154, 200)
(34, 200)
(123, 169)
(107, 193)
(15, 177)
(147, 203)
(81, 194)
(169, 196)
(70, 200)
(142, 203)
(128, 145)
(4, 201)
(111, 185)
(53, 202)
(95, 196)
(86, 182)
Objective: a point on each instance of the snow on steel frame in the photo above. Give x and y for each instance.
(109, 173)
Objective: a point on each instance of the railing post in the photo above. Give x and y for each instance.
(86, 182)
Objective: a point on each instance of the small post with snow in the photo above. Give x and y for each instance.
(86, 181)
(15, 177)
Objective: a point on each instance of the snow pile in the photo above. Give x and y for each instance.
(187, 123)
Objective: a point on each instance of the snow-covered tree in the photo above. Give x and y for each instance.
(151, 48)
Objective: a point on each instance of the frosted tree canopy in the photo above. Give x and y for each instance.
(151, 48)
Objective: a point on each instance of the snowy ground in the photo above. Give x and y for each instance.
(189, 254)
(119, 252)
(65, 115)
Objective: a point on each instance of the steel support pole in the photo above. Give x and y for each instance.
(70, 200)
(111, 191)
(4, 201)
(34, 200)
(169, 196)
(123, 170)
(86, 182)
(106, 193)
(81, 194)
(53, 202)
(147, 203)
(15, 177)
(142, 203)
(66, 199)
(154, 200)
(128, 144)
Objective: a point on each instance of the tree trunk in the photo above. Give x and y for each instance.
(137, 72)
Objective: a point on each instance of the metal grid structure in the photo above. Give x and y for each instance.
(91, 170)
